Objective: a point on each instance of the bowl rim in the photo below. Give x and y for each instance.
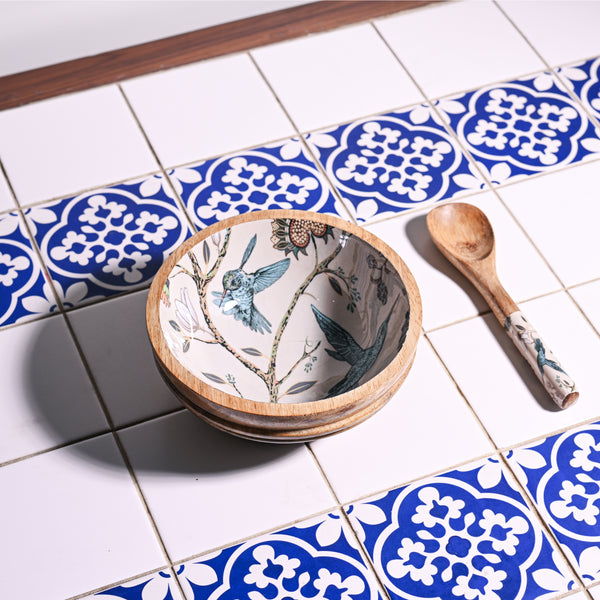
(394, 369)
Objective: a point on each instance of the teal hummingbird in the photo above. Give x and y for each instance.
(239, 288)
(542, 360)
(347, 349)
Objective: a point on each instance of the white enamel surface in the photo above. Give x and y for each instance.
(192, 341)
(183, 110)
(336, 76)
(75, 506)
(224, 488)
(6, 199)
(69, 143)
(588, 298)
(482, 47)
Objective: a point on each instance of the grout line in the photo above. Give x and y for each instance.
(176, 196)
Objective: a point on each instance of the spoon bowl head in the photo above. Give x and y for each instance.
(461, 230)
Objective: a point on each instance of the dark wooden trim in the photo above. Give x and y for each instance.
(238, 36)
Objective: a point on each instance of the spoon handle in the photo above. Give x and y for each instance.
(543, 362)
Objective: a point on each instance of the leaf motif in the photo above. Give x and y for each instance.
(335, 285)
(175, 325)
(205, 252)
(186, 345)
(300, 387)
(252, 351)
(213, 377)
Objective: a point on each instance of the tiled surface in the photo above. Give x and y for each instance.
(375, 122)
(63, 145)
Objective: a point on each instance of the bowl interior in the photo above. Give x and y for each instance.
(284, 310)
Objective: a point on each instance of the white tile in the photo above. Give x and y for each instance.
(588, 298)
(114, 340)
(404, 440)
(560, 212)
(335, 77)
(60, 146)
(500, 385)
(560, 30)
(206, 488)
(206, 109)
(47, 398)
(457, 46)
(594, 592)
(6, 199)
(447, 295)
(72, 521)
(156, 586)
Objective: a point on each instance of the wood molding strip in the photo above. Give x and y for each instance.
(238, 36)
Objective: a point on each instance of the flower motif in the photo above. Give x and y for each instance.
(130, 267)
(74, 248)
(269, 567)
(544, 149)
(576, 503)
(241, 171)
(422, 113)
(297, 189)
(357, 168)
(156, 183)
(345, 588)
(430, 152)
(492, 581)
(100, 210)
(556, 117)
(154, 228)
(488, 133)
(435, 509)
(503, 532)
(294, 235)
(414, 185)
(501, 102)
(588, 455)
(186, 314)
(375, 135)
(413, 561)
(10, 266)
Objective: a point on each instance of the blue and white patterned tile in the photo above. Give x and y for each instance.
(280, 175)
(562, 474)
(523, 127)
(584, 79)
(21, 274)
(466, 533)
(109, 240)
(393, 162)
(317, 558)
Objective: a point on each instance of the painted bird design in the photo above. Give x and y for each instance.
(542, 360)
(239, 288)
(347, 349)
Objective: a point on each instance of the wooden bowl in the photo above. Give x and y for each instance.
(283, 325)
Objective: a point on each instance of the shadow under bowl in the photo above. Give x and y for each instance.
(282, 325)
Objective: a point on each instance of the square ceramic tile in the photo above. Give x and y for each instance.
(562, 475)
(436, 46)
(500, 385)
(413, 426)
(446, 294)
(109, 240)
(595, 592)
(317, 558)
(390, 163)
(6, 198)
(47, 398)
(77, 509)
(585, 80)
(560, 30)
(206, 488)
(336, 76)
(568, 239)
(467, 533)
(206, 109)
(121, 359)
(588, 298)
(162, 585)
(280, 175)
(522, 127)
(21, 275)
(69, 143)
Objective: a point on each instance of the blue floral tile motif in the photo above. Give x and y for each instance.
(562, 474)
(523, 127)
(393, 162)
(467, 534)
(271, 177)
(584, 78)
(21, 275)
(109, 240)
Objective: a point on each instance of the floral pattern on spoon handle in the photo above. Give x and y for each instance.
(548, 370)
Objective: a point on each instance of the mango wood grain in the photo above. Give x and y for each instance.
(255, 419)
(245, 34)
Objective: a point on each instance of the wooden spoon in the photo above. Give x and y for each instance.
(465, 237)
